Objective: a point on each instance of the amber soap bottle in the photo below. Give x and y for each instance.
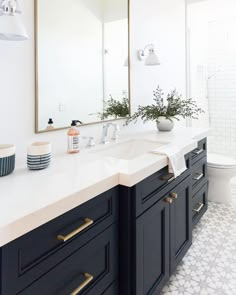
(73, 139)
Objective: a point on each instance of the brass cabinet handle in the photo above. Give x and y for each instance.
(168, 200)
(174, 196)
(88, 279)
(87, 223)
(199, 208)
(198, 177)
(168, 177)
(198, 152)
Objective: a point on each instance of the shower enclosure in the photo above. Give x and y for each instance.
(211, 48)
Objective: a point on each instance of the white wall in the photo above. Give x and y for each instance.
(157, 21)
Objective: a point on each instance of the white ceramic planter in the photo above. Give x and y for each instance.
(164, 124)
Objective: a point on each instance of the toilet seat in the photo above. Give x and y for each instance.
(220, 161)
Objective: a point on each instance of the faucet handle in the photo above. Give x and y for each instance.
(91, 141)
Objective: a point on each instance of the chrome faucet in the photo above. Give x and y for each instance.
(115, 136)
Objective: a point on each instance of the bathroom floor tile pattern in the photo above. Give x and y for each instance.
(210, 265)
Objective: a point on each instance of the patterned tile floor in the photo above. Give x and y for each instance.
(210, 265)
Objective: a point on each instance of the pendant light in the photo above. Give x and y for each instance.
(11, 27)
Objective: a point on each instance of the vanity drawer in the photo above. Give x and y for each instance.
(199, 174)
(31, 256)
(200, 203)
(149, 191)
(200, 151)
(92, 268)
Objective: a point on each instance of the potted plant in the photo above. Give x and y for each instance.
(115, 108)
(164, 111)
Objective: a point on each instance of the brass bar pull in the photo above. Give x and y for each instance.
(199, 208)
(174, 196)
(198, 152)
(87, 223)
(198, 177)
(168, 177)
(88, 279)
(168, 200)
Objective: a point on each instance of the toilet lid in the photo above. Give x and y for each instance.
(220, 161)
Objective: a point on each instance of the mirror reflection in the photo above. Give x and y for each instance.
(82, 68)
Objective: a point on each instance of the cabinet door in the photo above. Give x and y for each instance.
(152, 249)
(180, 222)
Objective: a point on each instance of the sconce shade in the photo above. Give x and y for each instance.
(11, 28)
(149, 55)
(152, 59)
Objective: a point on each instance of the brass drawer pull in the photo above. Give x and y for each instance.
(87, 223)
(198, 152)
(168, 177)
(198, 177)
(174, 196)
(199, 208)
(168, 200)
(88, 279)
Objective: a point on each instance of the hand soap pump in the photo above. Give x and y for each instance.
(50, 124)
(73, 137)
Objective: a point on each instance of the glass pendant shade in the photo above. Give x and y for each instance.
(11, 28)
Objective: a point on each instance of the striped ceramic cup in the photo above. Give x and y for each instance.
(39, 155)
(7, 159)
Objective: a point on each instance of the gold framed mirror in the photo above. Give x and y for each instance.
(82, 62)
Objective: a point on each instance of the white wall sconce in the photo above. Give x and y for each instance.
(149, 55)
(11, 27)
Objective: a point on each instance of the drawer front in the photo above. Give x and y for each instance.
(149, 191)
(200, 151)
(200, 204)
(90, 270)
(34, 254)
(199, 173)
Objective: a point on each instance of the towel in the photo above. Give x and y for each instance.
(176, 159)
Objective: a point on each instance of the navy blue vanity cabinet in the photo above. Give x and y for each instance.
(152, 250)
(180, 222)
(62, 248)
(90, 270)
(199, 181)
(154, 243)
(126, 241)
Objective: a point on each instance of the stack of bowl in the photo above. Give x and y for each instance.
(7, 159)
(39, 155)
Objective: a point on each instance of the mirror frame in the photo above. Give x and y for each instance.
(36, 75)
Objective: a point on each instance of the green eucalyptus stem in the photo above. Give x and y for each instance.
(174, 106)
(115, 108)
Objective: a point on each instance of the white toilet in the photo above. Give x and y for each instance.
(221, 169)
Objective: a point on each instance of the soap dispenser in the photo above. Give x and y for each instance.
(73, 138)
(50, 125)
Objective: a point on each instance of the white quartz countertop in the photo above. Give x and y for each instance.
(31, 198)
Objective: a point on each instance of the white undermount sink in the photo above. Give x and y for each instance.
(129, 150)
